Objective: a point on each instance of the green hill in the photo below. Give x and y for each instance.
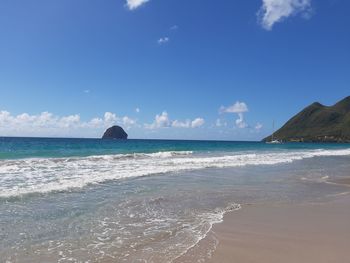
(318, 123)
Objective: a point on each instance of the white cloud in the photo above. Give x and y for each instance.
(87, 91)
(110, 118)
(163, 121)
(96, 122)
(48, 124)
(70, 121)
(258, 126)
(174, 27)
(240, 123)
(197, 123)
(273, 11)
(160, 121)
(180, 124)
(163, 40)
(128, 122)
(137, 110)
(133, 4)
(238, 107)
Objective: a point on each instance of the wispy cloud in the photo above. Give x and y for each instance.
(137, 110)
(163, 40)
(133, 4)
(166, 39)
(273, 11)
(258, 126)
(220, 123)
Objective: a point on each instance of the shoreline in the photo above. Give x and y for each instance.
(274, 233)
(340, 181)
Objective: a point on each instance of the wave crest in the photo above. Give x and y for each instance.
(42, 175)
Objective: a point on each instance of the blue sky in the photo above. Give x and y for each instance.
(189, 69)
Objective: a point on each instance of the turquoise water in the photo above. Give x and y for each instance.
(13, 148)
(89, 200)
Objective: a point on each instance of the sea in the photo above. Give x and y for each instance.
(92, 200)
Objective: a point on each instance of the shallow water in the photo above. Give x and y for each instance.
(146, 206)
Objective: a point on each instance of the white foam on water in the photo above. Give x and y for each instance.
(42, 175)
(212, 219)
(154, 235)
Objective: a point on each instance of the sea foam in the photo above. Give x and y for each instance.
(42, 175)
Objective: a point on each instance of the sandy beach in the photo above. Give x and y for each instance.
(286, 233)
(289, 233)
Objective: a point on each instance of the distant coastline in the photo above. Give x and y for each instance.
(318, 123)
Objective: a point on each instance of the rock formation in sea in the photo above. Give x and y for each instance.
(115, 132)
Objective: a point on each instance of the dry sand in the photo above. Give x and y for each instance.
(312, 233)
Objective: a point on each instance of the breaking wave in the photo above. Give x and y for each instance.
(42, 175)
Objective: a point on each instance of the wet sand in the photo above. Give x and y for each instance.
(312, 233)
(343, 181)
